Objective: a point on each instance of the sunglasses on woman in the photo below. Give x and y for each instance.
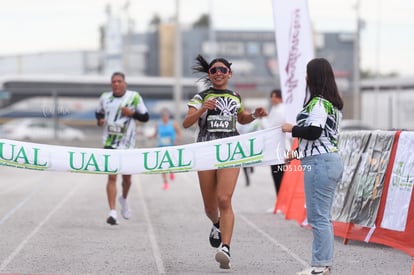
(214, 70)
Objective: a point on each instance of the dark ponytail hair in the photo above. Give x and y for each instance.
(320, 81)
(203, 66)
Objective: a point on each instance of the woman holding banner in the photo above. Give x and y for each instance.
(216, 110)
(317, 129)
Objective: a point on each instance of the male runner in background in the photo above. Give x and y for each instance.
(117, 111)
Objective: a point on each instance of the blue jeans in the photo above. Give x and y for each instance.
(321, 175)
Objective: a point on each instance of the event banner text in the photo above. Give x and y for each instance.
(264, 147)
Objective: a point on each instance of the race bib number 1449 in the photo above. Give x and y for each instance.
(217, 123)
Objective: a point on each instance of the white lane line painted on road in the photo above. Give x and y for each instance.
(153, 240)
(274, 241)
(16, 251)
(19, 205)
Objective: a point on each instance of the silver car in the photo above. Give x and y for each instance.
(38, 129)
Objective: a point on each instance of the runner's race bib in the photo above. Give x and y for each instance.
(166, 141)
(115, 129)
(218, 123)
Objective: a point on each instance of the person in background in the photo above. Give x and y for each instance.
(168, 133)
(276, 118)
(244, 129)
(317, 129)
(216, 110)
(117, 112)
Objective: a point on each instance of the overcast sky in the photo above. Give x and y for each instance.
(29, 26)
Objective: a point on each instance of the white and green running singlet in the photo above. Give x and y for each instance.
(119, 130)
(220, 122)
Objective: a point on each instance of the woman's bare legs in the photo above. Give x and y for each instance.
(217, 188)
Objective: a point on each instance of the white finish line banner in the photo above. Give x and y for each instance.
(264, 147)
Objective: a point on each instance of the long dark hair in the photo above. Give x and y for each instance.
(320, 81)
(202, 66)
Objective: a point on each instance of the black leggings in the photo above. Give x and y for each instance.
(247, 171)
(277, 175)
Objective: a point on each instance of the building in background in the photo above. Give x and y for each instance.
(69, 63)
(387, 103)
(253, 54)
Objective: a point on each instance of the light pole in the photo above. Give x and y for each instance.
(127, 54)
(212, 34)
(177, 63)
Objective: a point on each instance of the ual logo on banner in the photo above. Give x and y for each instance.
(19, 156)
(234, 154)
(166, 160)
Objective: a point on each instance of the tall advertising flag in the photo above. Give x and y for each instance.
(294, 46)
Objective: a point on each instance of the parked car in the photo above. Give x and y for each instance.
(38, 129)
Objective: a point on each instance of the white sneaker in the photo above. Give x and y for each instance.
(125, 211)
(316, 270)
(223, 257)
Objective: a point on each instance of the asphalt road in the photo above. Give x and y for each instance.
(54, 223)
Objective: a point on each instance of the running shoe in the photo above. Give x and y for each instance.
(165, 186)
(223, 257)
(215, 237)
(111, 220)
(316, 270)
(125, 211)
(172, 176)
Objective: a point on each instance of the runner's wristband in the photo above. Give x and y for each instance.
(141, 117)
(99, 115)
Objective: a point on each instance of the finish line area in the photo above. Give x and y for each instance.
(54, 223)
